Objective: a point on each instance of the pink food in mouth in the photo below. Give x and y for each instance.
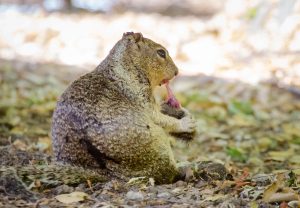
(164, 81)
(171, 100)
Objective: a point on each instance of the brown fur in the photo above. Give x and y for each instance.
(108, 118)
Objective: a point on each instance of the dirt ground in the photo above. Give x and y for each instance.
(252, 129)
(239, 76)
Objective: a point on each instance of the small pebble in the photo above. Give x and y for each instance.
(181, 183)
(151, 196)
(164, 195)
(63, 189)
(261, 179)
(294, 204)
(134, 195)
(152, 189)
(176, 191)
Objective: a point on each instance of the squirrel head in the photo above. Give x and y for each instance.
(149, 58)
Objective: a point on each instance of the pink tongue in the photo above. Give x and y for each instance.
(171, 100)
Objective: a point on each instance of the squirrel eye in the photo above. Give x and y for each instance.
(161, 53)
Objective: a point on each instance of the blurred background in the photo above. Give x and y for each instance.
(248, 40)
(238, 59)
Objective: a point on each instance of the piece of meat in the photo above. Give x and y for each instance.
(171, 100)
(172, 108)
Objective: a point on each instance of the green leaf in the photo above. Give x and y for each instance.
(292, 181)
(236, 154)
(251, 13)
(296, 140)
(240, 107)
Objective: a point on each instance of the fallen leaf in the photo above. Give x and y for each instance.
(241, 180)
(270, 191)
(297, 171)
(273, 188)
(281, 155)
(43, 144)
(137, 180)
(241, 120)
(295, 159)
(291, 129)
(72, 197)
(280, 197)
(253, 204)
(90, 184)
(151, 181)
(18, 144)
(236, 154)
(214, 197)
(236, 107)
(294, 204)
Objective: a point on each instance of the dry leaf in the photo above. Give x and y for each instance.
(281, 155)
(72, 197)
(214, 197)
(279, 197)
(297, 171)
(270, 191)
(151, 181)
(270, 194)
(253, 204)
(18, 144)
(295, 159)
(43, 144)
(137, 180)
(273, 188)
(294, 204)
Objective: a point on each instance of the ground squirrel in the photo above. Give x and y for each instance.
(108, 118)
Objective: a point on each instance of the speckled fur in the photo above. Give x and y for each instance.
(108, 118)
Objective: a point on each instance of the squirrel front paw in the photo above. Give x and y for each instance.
(187, 124)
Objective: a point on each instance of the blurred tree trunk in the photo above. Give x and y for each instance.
(68, 5)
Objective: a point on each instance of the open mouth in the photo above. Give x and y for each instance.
(164, 81)
(171, 99)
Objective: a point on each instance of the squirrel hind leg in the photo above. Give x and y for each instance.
(75, 152)
(94, 152)
(99, 157)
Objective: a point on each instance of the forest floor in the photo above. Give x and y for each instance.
(254, 130)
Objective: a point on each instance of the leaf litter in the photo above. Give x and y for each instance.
(255, 134)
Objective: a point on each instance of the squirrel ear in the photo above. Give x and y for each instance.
(136, 36)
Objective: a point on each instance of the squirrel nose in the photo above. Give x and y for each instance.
(176, 72)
